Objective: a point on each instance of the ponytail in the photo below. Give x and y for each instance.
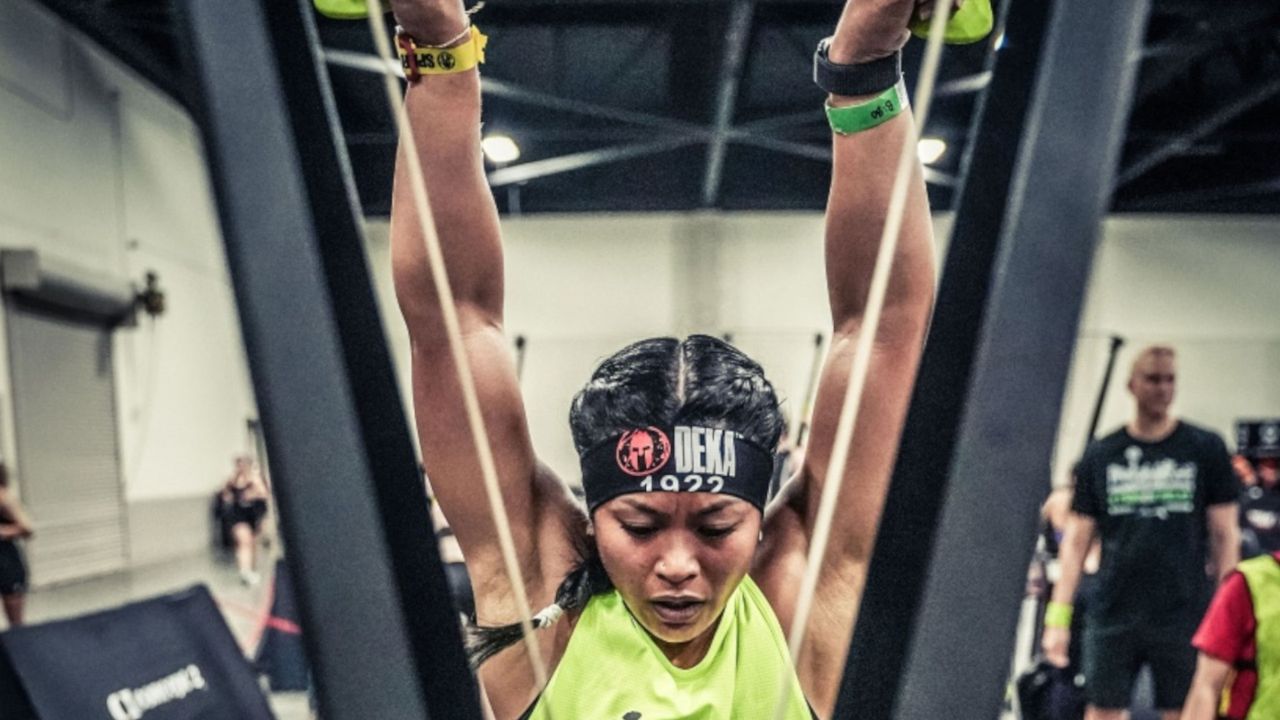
(587, 579)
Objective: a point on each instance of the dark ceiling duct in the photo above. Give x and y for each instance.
(71, 292)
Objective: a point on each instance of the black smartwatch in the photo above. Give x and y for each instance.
(857, 79)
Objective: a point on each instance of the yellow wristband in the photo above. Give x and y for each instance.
(1058, 615)
(419, 61)
(348, 9)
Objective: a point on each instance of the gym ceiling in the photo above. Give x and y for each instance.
(633, 105)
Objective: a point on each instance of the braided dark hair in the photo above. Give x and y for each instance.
(701, 380)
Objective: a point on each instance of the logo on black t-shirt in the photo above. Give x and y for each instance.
(1158, 489)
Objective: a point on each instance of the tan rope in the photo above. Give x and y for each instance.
(862, 350)
(453, 332)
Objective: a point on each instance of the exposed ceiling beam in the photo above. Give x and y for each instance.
(957, 86)
(962, 85)
(1194, 198)
(361, 61)
(680, 133)
(512, 91)
(781, 122)
(735, 56)
(937, 177)
(787, 147)
(1224, 114)
(522, 134)
(1228, 25)
(590, 158)
(1196, 8)
(104, 26)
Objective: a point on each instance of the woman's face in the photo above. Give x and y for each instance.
(676, 557)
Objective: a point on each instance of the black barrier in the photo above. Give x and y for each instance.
(949, 564)
(1004, 442)
(899, 566)
(382, 636)
(168, 658)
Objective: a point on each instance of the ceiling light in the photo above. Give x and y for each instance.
(500, 149)
(930, 149)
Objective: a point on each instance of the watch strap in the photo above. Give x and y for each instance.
(858, 78)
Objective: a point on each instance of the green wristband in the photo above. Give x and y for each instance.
(878, 110)
(1057, 615)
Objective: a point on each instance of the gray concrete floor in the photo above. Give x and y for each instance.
(240, 605)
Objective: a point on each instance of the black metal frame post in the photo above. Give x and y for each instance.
(380, 628)
(896, 577)
(1061, 190)
(947, 573)
(1117, 342)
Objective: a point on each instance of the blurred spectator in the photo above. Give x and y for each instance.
(14, 526)
(243, 502)
(1055, 515)
(1238, 641)
(1259, 506)
(1244, 470)
(1154, 491)
(455, 567)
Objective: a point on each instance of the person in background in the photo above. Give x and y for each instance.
(244, 504)
(1239, 647)
(1153, 490)
(14, 526)
(1259, 505)
(1244, 470)
(788, 458)
(1055, 515)
(455, 566)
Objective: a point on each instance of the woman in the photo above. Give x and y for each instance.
(244, 504)
(675, 595)
(14, 526)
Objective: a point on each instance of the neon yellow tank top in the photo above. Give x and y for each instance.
(1262, 575)
(613, 670)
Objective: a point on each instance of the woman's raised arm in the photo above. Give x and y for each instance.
(444, 115)
(866, 157)
(864, 168)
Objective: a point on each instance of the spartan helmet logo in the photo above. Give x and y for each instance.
(447, 61)
(643, 450)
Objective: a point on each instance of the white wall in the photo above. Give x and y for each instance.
(1206, 285)
(99, 170)
(580, 287)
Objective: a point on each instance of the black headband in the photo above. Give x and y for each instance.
(683, 458)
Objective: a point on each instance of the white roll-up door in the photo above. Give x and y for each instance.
(68, 460)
